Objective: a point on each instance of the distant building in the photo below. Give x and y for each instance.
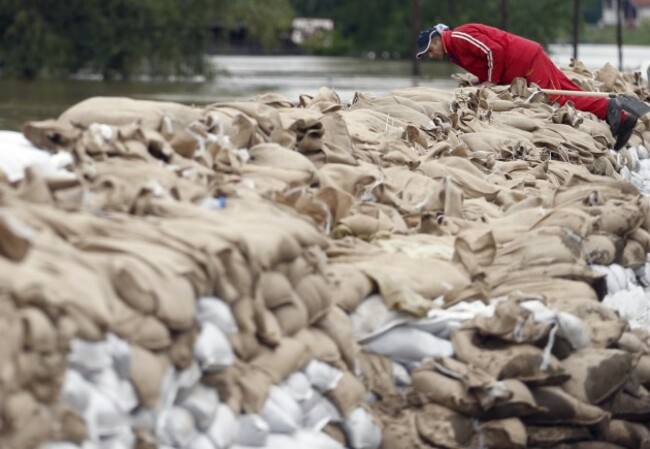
(629, 11)
(306, 29)
(642, 9)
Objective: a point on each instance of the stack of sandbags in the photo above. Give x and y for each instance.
(375, 271)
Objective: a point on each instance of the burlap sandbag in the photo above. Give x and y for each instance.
(314, 292)
(15, 238)
(506, 433)
(348, 394)
(558, 407)
(254, 385)
(402, 431)
(511, 323)
(521, 404)
(442, 390)
(336, 324)
(596, 374)
(350, 286)
(604, 325)
(550, 436)
(442, 427)
(627, 434)
(289, 356)
(26, 423)
(11, 334)
(292, 317)
(276, 289)
(147, 372)
(321, 346)
(276, 162)
(505, 360)
(589, 445)
(632, 407)
(378, 377)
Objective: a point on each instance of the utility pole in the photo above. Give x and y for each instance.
(576, 27)
(504, 15)
(619, 32)
(416, 26)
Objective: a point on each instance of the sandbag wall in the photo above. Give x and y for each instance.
(413, 269)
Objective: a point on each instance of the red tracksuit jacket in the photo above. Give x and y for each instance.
(499, 57)
(489, 53)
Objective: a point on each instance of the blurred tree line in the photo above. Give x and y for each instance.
(386, 26)
(124, 38)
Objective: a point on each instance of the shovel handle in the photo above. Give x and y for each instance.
(580, 93)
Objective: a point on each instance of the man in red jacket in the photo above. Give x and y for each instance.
(498, 57)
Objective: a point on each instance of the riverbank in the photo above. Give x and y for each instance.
(244, 77)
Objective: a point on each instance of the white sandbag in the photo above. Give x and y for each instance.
(303, 439)
(17, 153)
(644, 272)
(89, 357)
(316, 440)
(61, 445)
(212, 349)
(175, 427)
(632, 305)
(91, 445)
(310, 402)
(119, 390)
(120, 352)
(224, 428)
(76, 390)
(201, 442)
(321, 412)
(103, 417)
(361, 430)
(616, 277)
(282, 441)
(298, 386)
(281, 412)
(569, 326)
(401, 376)
(642, 152)
(252, 431)
(372, 318)
(202, 403)
(125, 439)
(406, 344)
(218, 312)
(322, 376)
(441, 322)
(470, 308)
(143, 418)
(168, 390)
(187, 379)
(176, 385)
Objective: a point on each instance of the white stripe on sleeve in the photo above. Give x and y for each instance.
(481, 46)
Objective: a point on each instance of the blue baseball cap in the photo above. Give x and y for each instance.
(425, 37)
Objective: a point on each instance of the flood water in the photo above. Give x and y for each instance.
(244, 77)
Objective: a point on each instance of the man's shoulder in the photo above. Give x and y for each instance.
(474, 28)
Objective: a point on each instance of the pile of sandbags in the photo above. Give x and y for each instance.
(422, 269)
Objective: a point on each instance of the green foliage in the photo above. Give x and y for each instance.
(125, 38)
(333, 44)
(265, 21)
(541, 21)
(115, 38)
(386, 26)
(607, 35)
